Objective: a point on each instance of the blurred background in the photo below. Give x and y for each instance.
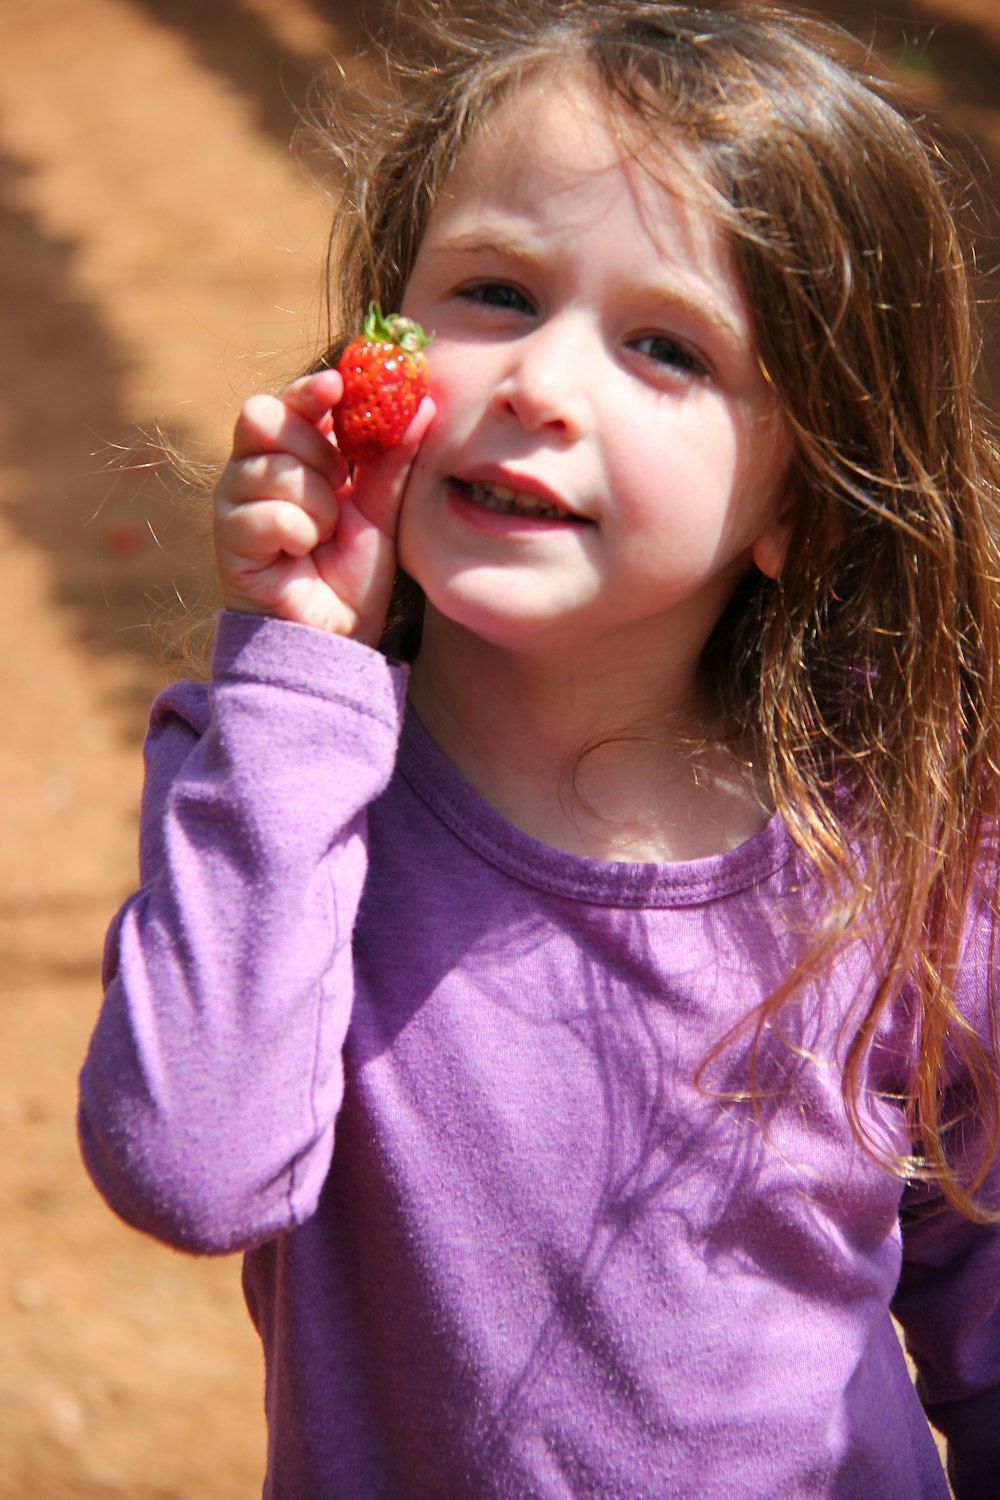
(160, 257)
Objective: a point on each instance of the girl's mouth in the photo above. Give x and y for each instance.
(510, 502)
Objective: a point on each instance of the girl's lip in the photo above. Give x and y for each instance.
(503, 479)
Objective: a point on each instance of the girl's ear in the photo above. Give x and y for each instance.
(771, 546)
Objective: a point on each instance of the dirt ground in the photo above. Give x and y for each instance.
(159, 259)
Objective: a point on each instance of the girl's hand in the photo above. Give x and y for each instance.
(295, 536)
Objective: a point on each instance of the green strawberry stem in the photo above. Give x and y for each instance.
(391, 328)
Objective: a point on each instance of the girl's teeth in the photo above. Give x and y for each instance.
(513, 502)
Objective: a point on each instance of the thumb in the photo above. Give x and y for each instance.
(377, 489)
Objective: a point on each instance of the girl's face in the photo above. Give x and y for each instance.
(608, 459)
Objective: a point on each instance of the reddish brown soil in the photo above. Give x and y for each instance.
(159, 257)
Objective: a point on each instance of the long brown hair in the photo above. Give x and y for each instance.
(867, 674)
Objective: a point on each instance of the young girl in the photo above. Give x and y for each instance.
(588, 1028)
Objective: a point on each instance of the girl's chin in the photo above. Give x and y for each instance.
(499, 620)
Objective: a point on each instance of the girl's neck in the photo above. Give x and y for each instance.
(591, 756)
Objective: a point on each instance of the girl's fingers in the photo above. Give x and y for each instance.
(288, 424)
(260, 484)
(378, 489)
(312, 396)
(276, 476)
(279, 480)
(262, 532)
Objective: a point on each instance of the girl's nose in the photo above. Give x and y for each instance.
(544, 383)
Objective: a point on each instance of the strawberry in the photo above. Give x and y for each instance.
(385, 376)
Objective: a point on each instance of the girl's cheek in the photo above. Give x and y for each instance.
(462, 380)
(440, 365)
(444, 385)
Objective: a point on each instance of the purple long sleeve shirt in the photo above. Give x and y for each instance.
(439, 1082)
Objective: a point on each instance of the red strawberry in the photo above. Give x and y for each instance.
(385, 376)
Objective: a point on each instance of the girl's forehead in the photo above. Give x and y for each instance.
(555, 155)
(561, 122)
(559, 135)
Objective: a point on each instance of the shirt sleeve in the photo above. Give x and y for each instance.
(948, 1298)
(948, 1303)
(210, 1091)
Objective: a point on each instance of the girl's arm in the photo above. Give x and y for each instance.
(210, 1091)
(211, 1087)
(948, 1302)
(948, 1298)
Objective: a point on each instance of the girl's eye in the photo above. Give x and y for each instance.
(669, 351)
(497, 294)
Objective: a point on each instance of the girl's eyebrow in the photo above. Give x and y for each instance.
(703, 310)
(672, 299)
(475, 241)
